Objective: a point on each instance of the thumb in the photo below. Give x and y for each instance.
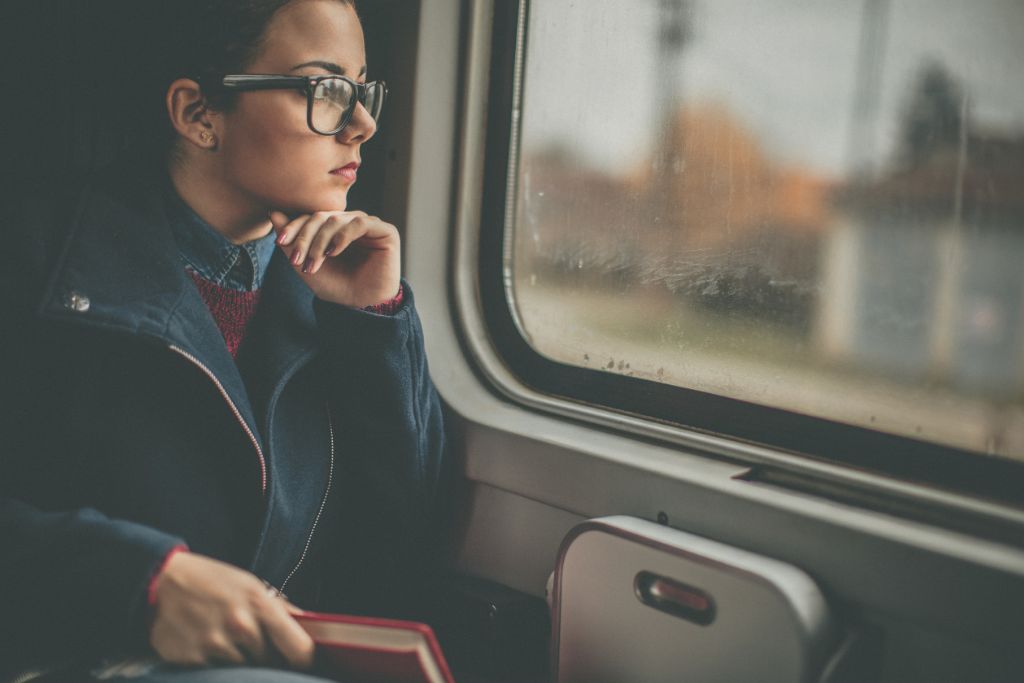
(278, 219)
(293, 610)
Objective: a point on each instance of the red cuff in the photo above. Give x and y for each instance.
(151, 589)
(388, 307)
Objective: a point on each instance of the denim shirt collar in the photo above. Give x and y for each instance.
(210, 255)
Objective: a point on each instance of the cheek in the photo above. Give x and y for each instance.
(284, 165)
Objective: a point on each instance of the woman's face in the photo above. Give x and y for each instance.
(269, 154)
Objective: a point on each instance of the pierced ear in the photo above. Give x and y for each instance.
(195, 110)
(189, 113)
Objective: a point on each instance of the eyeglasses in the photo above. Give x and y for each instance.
(330, 100)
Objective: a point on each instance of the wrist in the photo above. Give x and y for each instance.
(154, 580)
(389, 307)
(360, 300)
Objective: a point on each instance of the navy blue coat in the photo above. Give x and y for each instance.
(127, 428)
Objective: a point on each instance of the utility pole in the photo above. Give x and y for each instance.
(870, 61)
(673, 34)
(674, 31)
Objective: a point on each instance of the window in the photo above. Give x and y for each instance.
(811, 213)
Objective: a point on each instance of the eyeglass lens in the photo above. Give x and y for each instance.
(333, 100)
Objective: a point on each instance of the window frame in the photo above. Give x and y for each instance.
(531, 466)
(577, 389)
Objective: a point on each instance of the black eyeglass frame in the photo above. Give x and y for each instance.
(308, 85)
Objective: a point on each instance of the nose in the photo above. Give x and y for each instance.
(360, 128)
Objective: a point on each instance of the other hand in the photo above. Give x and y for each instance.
(346, 257)
(209, 612)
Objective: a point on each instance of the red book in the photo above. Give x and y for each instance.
(375, 650)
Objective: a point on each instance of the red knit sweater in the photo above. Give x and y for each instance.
(232, 310)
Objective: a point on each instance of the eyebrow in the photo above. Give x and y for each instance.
(328, 66)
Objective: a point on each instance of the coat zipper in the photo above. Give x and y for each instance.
(26, 676)
(252, 437)
(320, 512)
(263, 463)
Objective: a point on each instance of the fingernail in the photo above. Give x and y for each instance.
(308, 266)
(280, 238)
(297, 258)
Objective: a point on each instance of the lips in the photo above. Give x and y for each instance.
(348, 171)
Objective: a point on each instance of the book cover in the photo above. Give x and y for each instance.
(375, 650)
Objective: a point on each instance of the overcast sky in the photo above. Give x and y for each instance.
(786, 69)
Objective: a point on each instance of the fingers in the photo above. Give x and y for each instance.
(199, 648)
(310, 239)
(220, 650)
(293, 610)
(334, 238)
(313, 239)
(287, 232)
(209, 612)
(245, 632)
(291, 641)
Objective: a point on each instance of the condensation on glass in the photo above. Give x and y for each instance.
(816, 205)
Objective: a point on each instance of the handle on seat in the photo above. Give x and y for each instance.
(675, 598)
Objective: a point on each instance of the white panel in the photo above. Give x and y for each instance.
(770, 622)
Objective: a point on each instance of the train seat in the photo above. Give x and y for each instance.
(638, 601)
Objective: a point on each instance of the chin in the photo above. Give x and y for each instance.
(333, 201)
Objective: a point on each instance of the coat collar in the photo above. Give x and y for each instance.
(119, 268)
(120, 271)
(210, 254)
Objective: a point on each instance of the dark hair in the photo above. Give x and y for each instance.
(208, 38)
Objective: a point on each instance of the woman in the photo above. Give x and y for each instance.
(215, 389)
